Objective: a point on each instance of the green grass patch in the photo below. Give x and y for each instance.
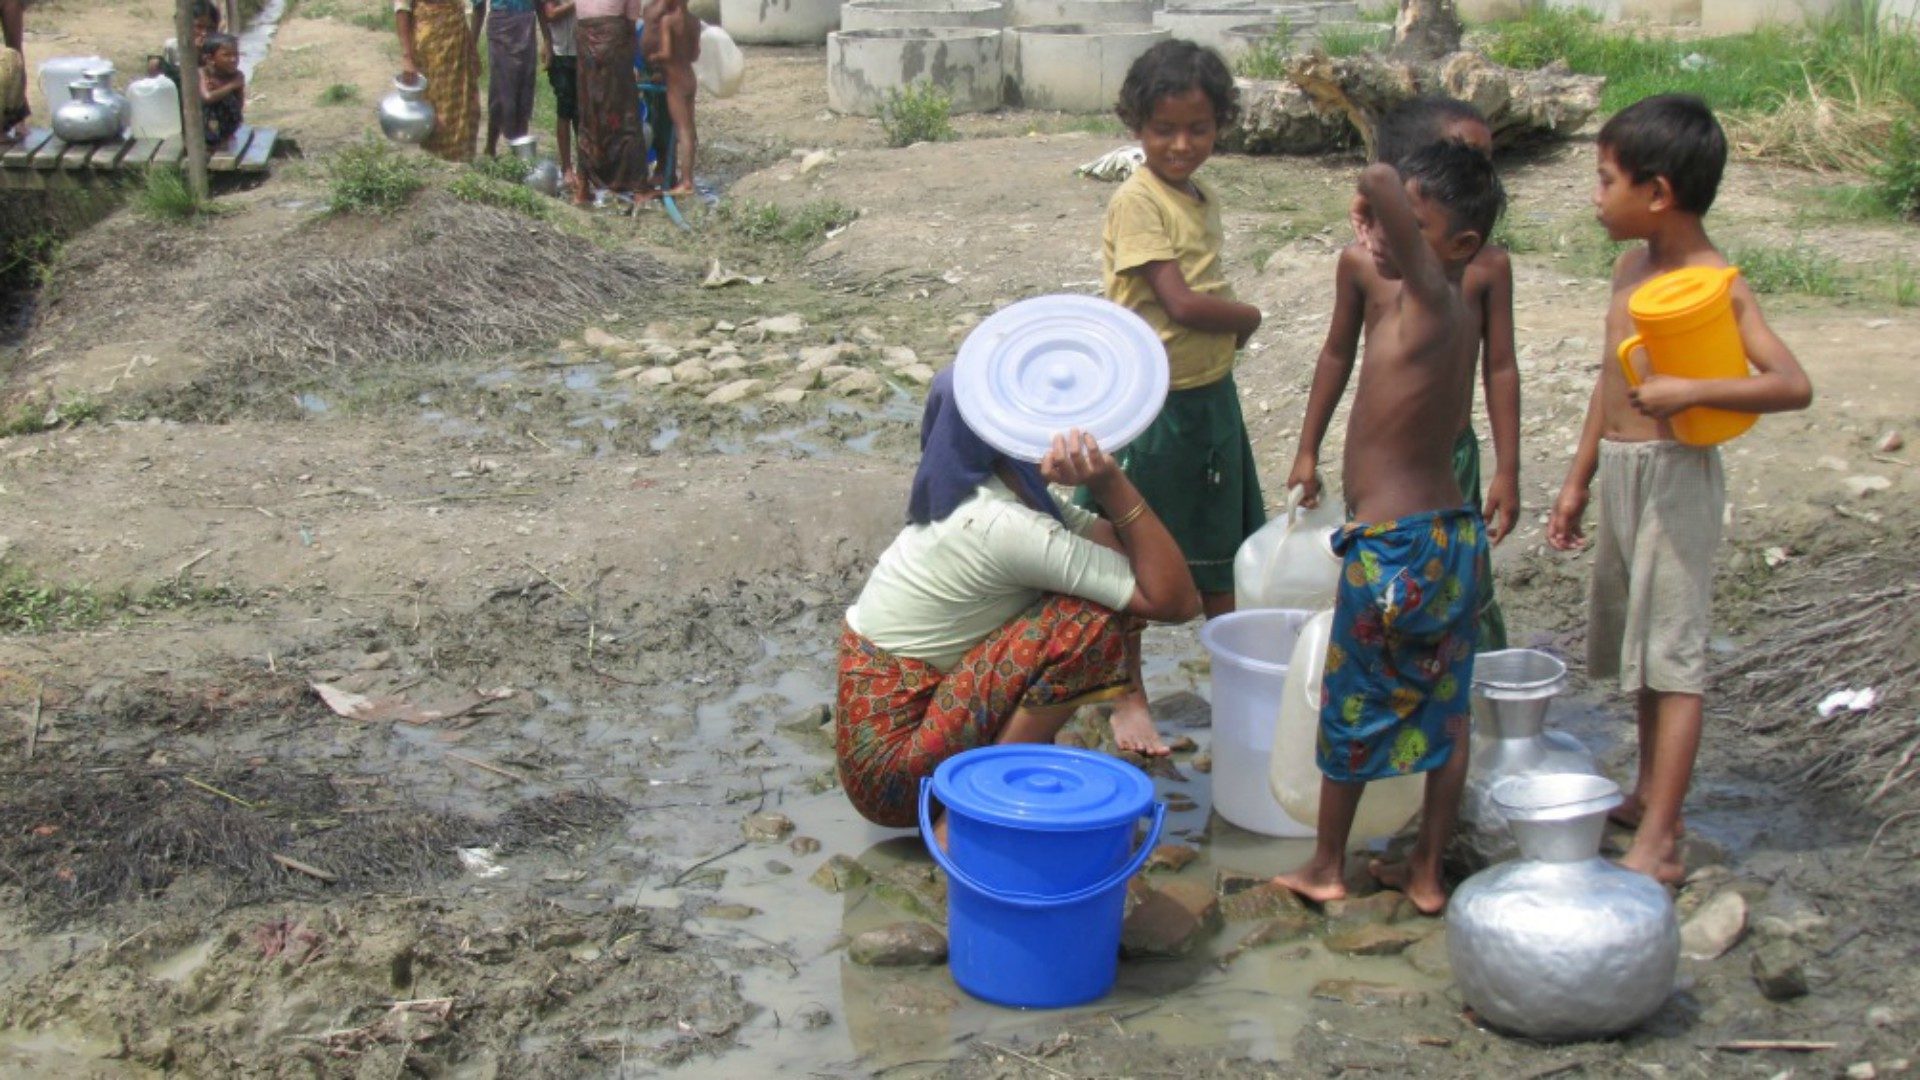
(1267, 59)
(31, 417)
(29, 604)
(1795, 269)
(799, 226)
(165, 195)
(371, 177)
(506, 168)
(1837, 203)
(339, 94)
(1340, 41)
(919, 112)
(476, 187)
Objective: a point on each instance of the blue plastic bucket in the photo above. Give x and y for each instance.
(1040, 849)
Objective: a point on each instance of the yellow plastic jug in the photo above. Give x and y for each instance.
(1686, 325)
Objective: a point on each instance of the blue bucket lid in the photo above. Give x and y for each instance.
(1053, 788)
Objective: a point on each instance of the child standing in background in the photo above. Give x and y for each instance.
(223, 89)
(1661, 501)
(563, 74)
(1488, 291)
(1160, 258)
(672, 45)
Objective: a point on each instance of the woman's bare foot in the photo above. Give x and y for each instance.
(1133, 727)
(1427, 897)
(1628, 814)
(1314, 883)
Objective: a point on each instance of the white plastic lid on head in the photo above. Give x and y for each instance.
(1043, 366)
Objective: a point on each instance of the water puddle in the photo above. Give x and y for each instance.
(258, 36)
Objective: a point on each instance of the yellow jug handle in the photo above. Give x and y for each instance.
(1626, 350)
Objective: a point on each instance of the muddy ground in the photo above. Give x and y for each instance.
(593, 606)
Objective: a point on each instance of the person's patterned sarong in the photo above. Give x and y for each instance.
(443, 44)
(898, 719)
(613, 152)
(1400, 659)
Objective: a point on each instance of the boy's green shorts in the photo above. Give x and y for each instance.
(1195, 467)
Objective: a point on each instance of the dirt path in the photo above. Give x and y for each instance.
(616, 593)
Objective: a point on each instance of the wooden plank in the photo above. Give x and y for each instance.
(259, 150)
(106, 157)
(20, 153)
(230, 152)
(139, 153)
(171, 152)
(49, 154)
(74, 157)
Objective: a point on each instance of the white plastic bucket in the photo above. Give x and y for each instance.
(1250, 651)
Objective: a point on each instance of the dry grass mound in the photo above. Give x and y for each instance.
(1851, 621)
(463, 278)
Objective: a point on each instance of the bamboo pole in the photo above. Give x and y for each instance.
(194, 124)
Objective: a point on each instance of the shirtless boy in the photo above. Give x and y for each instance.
(1661, 501)
(673, 43)
(1487, 288)
(1398, 670)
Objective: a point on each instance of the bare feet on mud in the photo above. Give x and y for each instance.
(1314, 884)
(1133, 727)
(1666, 869)
(1427, 897)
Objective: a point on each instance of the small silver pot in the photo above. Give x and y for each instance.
(1512, 689)
(543, 175)
(405, 114)
(86, 118)
(1562, 944)
(105, 93)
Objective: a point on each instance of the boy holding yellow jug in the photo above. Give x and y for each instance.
(1650, 439)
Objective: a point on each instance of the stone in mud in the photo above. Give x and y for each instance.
(804, 380)
(1202, 763)
(1801, 926)
(630, 373)
(920, 374)
(730, 912)
(1428, 956)
(1264, 901)
(1862, 1070)
(778, 868)
(660, 354)
(1171, 920)
(1369, 995)
(1180, 804)
(1289, 927)
(1890, 442)
(1715, 928)
(1374, 939)
(859, 384)
(902, 944)
(560, 937)
(1778, 970)
(812, 1016)
(840, 873)
(737, 390)
(691, 372)
(803, 846)
(1171, 858)
(867, 335)
(601, 341)
(723, 366)
(1228, 881)
(655, 377)
(1380, 907)
(768, 827)
(833, 373)
(783, 325)
(817, 357)
(913, 889)
(1182, 744)
(787, 396)
(898, 356)
(811, 726)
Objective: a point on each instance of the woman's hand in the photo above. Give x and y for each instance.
(1075, 459)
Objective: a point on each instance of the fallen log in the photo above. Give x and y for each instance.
(1327, 103)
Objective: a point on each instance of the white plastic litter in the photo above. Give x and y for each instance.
(1848, 700)
(479, 862)
(721, 67)
(1117, 165)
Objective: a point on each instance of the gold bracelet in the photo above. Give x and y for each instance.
(1130, 516)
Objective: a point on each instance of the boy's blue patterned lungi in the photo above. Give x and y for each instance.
(1400, 661)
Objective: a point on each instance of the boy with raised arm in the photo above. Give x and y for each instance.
(1400, 663)
(1661, 501)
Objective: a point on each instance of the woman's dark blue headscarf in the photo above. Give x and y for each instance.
(954, 462)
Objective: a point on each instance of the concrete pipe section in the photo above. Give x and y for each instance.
(780, 22)
(1208, 25)
(1075, 67)
(1085, 12)
(919, 14)
(864, 66)
(1238, 41)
